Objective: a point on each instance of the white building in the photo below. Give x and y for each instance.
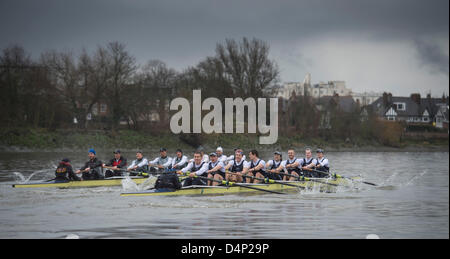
(366, 98)
(294, 87)
(329, 89)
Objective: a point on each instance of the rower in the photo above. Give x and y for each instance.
(179, 161)
(230, 158)
(64, 172)
(205, 157)
(238, 166)
(115, 165)
(92, 169)
(139, 166)
(220, 156)
(291, 166)
(160, 163)
(308, 163)
(273, 165)
(256, 167)
(196, 168)
(322, 164)
(216, 169)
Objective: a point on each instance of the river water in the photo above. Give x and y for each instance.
(411, 201)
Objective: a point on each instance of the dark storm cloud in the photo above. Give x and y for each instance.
(83, 21)
(433, 56)
(181, 32)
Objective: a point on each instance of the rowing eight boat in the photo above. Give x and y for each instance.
(113, 181)
(325, 186)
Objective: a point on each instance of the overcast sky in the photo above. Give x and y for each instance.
(401, 46)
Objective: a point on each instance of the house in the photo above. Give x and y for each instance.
(412, 110)
(327, 104)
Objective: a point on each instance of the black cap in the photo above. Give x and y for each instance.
(179, 150)
(162, 149)
(277, 153)
(66, 160)
(319, 150)
(213, 154)
(117, 151)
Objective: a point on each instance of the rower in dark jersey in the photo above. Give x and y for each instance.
(195, 168)
(237, 167)
(273, 165)
(322, 164)
(92, 169)
(307, 163)
(64, 172)
(291, 166)
(116, 165)
(256, 168)
(216, 169)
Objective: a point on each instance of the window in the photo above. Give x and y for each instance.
(391, 118)
(425, 119)
(400, 106)
(103, 108)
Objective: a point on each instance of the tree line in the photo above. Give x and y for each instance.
(60, 87)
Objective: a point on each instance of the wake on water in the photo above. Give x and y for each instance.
(129, 185)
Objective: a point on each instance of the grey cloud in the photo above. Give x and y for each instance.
(433, 56)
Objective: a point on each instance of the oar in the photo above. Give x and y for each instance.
(302, 178)
(237, 184)
(267, 180)
(341, 176)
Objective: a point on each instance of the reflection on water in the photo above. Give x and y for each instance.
(411, 202)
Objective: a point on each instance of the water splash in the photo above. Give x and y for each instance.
(21, 178)
(148, 184)
(416, 177)
(129, 185)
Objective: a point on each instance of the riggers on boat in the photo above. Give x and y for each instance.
(325, 185)
(113, 181)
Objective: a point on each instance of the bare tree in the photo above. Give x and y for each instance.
(248, 67)
(122, 67)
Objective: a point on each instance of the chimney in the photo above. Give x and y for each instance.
(385, 99)
(389, 98)
(416, 98)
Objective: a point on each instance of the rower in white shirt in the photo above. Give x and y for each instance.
(236, 168)
(307, 163)
(322, 164)
(161, 163)
(256, 167)
(216, 169)
(205, 157)
(291, 166)
(139, 166)
(220, 156)
(232, 156)
(196, 168)
(273, 165)
(179, 161)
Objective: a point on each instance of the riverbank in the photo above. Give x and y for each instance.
(30, 140)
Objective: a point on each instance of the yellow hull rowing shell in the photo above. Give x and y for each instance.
(220, 190)
(114, 181)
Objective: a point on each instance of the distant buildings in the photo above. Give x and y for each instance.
(412, 110)
(323, 89)
(366, 98)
